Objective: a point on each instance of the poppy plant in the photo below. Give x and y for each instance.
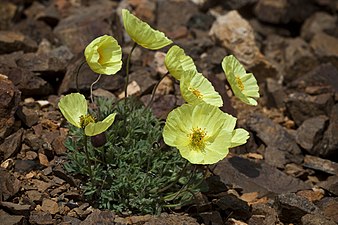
(202, 133)
(75, 109)
(244, 85)
(142, 33)
(104, 55)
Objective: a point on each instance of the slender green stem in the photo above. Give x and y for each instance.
(77, 76)
(175, 181)
(91, 87)
(154, 90)
(127, 69)
(87, 156)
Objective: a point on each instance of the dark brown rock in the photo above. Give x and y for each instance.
(331, 184)
(11, 219)
(317, 23)
(324, 75)
(284, 11)
(275, 157)
(11, 41)
(213, 217)
(86, 78)
(8, 11)
(234, 206)
(12, 144)
(183, 11)
(324, 45)
(161, 105)
(41, 218)
(329, 145)
(311, 132)
(27, 82)
(320, 164)
(16, 209)
(9, 100)
(144, 78)
(329, 207)
(310, 219)
(99, 217)
(50, 206)
(25, 166)
(263, 214)
(257, 176)
(275, 136)
(80, 28)
(291, 208)
(51, 62)
(302, 106)
(28, 116)
(275, 93)
(9, 185)
(48, 14)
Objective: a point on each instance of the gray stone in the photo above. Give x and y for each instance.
(291, 207)
(329, 145)
(257, 176)
(310, 219)
(275, 157)
(301, 106)
(275, 136)
(320, 164)
(237, 36)
(12, 144)
(311, 132)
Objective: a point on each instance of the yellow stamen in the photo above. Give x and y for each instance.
(196, 92)
(197, 138)
(86, 119)
(239, 83)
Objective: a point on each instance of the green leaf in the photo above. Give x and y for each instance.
(142, 33)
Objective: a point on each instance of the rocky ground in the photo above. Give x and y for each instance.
(287, 173)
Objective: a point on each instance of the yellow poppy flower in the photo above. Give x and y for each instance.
(142, 33)
(202, 133)
(244, 85)
(74, 108)
(104, 55)
(177, 62)
(195, 88)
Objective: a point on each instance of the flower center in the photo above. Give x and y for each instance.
(86, 119)
(196, 92)
(197, 138)
(239, 83)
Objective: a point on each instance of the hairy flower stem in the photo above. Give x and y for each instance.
(77, 76)
(91, 87)
(127, 69)
(154, 90)
(87, 156)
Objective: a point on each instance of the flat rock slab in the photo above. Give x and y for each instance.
(258, 177)
(320, 164)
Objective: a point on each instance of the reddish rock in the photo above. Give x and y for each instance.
(9, 100)
(9, 185)
(12, 144)
(49, 206)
